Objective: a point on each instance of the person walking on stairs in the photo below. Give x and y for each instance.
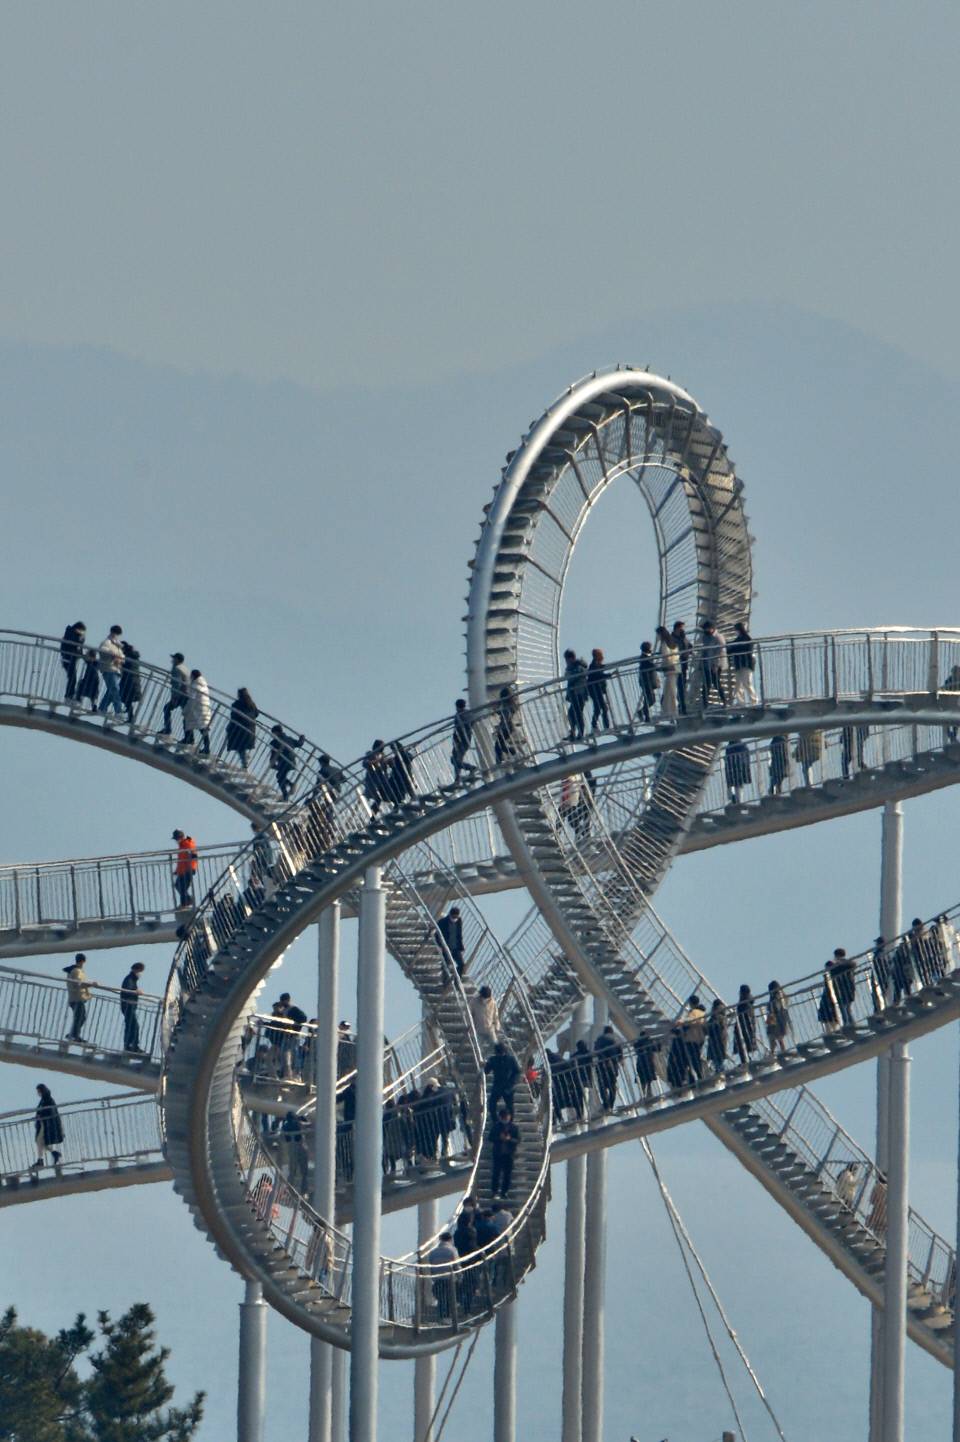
(504, 1073)
(129, 1003)
(179, 692)
(47, 1128)
(78, 994)
(185, 868)
(111, 666)
(71, 654)
(505, 1136)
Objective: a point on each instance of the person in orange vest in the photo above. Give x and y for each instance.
(185, 869)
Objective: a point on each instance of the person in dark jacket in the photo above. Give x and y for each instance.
(179, 692)
(462, 741)
(505, 1136)
(450, 941)
(779, 763)
(646, 1048)
(376, 776)
(504, 1073)
(89, 688)
(647, 677)
(880, 974)
(400, 782)
(47, 1128)
(853, 738)
(597, 680)
(685, 655)
(582, 1068)
(606, 1061)
(736, 765)
(131, 690)
(465, 1232)
(844, 984)
(576, 677)
(129, 1002)
(717, 1035)
(827, 1013)
(745, 1029)
(902, 970)
(742, 661)
(507, 710)
(71, 653)
(241, 734)
(283, 758)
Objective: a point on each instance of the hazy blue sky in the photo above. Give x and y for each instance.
(279, 290)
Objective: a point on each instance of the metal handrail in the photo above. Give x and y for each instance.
(109, 1130)
(34, 1005)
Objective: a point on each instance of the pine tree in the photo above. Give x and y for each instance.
(41, 1396)
(126, 1397)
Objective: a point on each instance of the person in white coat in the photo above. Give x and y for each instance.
(198, 712)
(486, 1019)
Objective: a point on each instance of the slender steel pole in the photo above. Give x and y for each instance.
(368, 1154)
(425, 1368)
(573, 1273)
(594, 1280)
(505, 1374)
(893, 1354)
(325, 1147)
(953, 1308)
(252, 1388)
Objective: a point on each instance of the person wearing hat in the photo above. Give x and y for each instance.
(78, 994)
(179, 690)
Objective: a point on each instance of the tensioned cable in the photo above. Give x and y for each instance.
(463, 1372)
(685, 1244)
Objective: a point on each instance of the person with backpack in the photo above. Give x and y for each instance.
(71, 654)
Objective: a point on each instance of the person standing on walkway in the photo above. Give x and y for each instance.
(131, 691)
(282, 758)
(778, 1018)
(648, 679)
(505, 1135)
(179, 691)
(442, 1259)
(129, 1003)
(462, 741)
(89, 688)
(597, 680)
(736, 765)
(241, 728)
(78, 994)
(47, 1128)
(741, 656)
(745, 1028)
(717, 1036)
(111, 665)
(779, 764)
(606, 1053)
(576, 679)
(507, 710)
(670, 666)
(844, 984)
(684, 654)
(71, 653)
(713, 662)
(198, 713)
(185, 869)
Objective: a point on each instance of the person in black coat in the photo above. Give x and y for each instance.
(450, 941)
(71, 653)
(717, 1035)
(131, 690)
(89, 688)
(745, 1029)
(597, 679)
(606, 1054)
(779, 763)
(844, 984)
(504, 1073)
(507, 710)
(241, 728)
(645, 1049)
(576, 684)
(505, 1136)
(647, 676)
(47, 1128)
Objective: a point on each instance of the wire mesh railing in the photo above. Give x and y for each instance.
(36, 1009)
(106, 1132)
(248, 747)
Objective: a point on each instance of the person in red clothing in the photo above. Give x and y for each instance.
(185, 869)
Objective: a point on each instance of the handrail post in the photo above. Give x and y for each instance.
(100, 899)
(133, 904)
(869, 669)
(793, 667)
(73, 894)
(18, 920)
(933, 665)
(833, 661)
(39, 900)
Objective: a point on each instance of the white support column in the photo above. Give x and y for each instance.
(574, 1261)
(505, 1374)
(339, 1389)
(252, 1387)
(594, 1280)
(325, 1147)
(368, 1154)
(425, 1368)
(892, 1355)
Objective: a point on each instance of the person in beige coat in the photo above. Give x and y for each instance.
(78, 994)
(486, 1019)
